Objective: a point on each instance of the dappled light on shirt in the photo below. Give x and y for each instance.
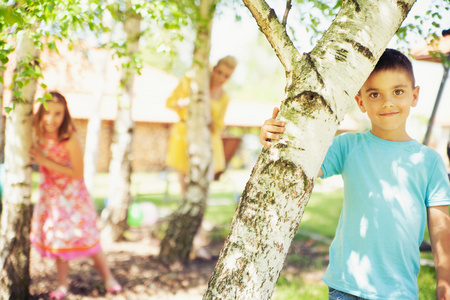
(360, 268)
(363, 225)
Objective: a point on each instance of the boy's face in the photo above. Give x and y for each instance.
(387, 96)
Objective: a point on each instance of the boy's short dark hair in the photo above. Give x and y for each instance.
(395, 60)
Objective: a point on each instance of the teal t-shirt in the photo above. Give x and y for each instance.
(387, 188)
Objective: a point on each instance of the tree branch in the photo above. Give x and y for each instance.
(274, 31)
(286, 12)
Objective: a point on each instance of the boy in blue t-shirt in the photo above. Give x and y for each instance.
(393, 186)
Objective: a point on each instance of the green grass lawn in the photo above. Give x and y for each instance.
(319, 220)
(298, 289)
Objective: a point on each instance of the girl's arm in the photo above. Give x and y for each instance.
(73, 146)
(439, 229)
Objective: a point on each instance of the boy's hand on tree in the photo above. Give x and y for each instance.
(271, 129)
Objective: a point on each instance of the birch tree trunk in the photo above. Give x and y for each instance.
(100, 60)
(16, 214)
(95, 123)
(119, 197)
(2, 125)
(186, 220)
(320, 86)
(2, 138)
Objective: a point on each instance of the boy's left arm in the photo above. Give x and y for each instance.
(439, 229)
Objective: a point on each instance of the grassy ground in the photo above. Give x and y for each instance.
(319, 223)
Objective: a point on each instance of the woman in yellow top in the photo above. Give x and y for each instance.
(177, 156)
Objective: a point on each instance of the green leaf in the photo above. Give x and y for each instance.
(51, 45)
(45, 104)
(17, 94)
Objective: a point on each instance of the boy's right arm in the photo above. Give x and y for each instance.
(271, 130)
(439, 229)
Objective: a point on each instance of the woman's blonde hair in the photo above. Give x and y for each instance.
(229, 61)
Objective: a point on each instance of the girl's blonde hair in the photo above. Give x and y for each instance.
(66, 129)
(229, 61)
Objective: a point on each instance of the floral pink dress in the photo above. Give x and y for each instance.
(64, 218)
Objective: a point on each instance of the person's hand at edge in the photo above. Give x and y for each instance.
(271, 129)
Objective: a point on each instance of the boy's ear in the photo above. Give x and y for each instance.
(415, 96)
(360, 103)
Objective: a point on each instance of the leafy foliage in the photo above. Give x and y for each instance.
(45, 22)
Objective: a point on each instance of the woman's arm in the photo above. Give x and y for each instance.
(76, 157)
(178, 99)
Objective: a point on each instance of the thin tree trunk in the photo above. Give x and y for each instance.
(94, 125)
(16, 215)
(119, 197)
(100, 60)
(186, 220)
(2, 124)
(320, 87)
(2, 139)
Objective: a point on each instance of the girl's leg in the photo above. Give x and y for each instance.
(62, 269)
(110, 281)
(102, 266)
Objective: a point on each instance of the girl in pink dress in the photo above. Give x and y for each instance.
(63, 226)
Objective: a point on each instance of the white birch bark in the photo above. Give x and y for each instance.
(119, 197)
(94, 125)
(186, 220)
(2, 124)
(320, 87)
(100, 61)
(16, 214)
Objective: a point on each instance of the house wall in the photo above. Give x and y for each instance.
(149, 144)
